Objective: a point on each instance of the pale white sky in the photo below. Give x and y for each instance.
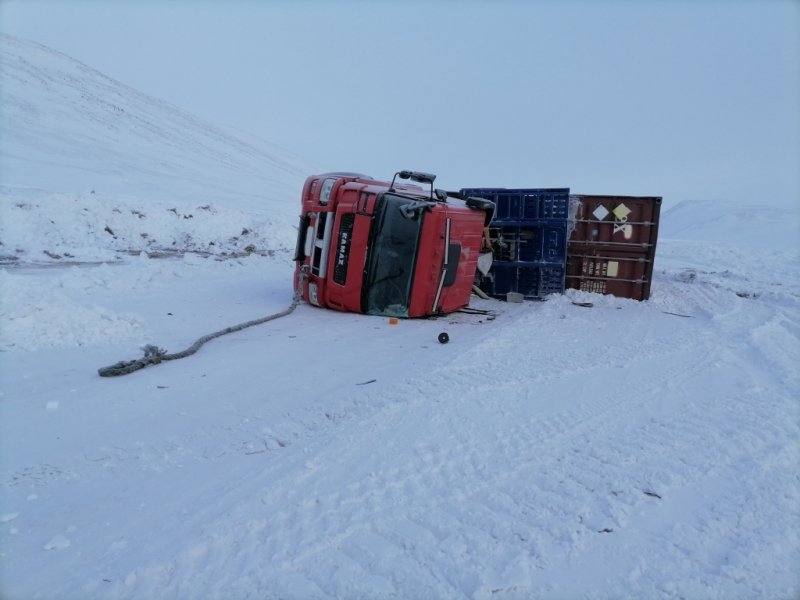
(676, 98)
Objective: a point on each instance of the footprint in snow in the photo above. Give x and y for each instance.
(59, 542)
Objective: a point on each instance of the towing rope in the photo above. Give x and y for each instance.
(154, 355)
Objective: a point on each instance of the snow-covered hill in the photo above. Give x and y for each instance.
(629, 449)
(767, 224)
(79, 149)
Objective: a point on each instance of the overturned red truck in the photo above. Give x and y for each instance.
(387, 248)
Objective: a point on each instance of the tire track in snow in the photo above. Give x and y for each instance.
(443, 469)
(417, 522)
(504, 516)
(651, 443)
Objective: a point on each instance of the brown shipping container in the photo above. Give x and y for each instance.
(613, 244)
(625, 222)
(607, 271)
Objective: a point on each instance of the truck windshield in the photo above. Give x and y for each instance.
(393, 252)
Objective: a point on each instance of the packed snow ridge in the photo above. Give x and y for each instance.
(627, 449)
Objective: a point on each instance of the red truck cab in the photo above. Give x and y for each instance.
(389, 249)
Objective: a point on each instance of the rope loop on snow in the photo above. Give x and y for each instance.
(154, 355)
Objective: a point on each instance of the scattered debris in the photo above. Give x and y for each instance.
(653, 494)
(366, 382)
(480, 293)
(468, 310)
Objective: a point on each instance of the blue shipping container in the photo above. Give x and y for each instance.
(518, 205)
(528, 238)
(530, 244)
(533, 282)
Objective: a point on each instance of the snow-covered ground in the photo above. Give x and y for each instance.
(556, 451)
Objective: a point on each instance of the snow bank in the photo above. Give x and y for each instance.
(42, 227)
(34, 317)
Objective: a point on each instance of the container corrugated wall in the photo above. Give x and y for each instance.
(528, 236)
(612, 245)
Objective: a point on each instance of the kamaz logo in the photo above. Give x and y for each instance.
(344, 239)
(343, 248)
